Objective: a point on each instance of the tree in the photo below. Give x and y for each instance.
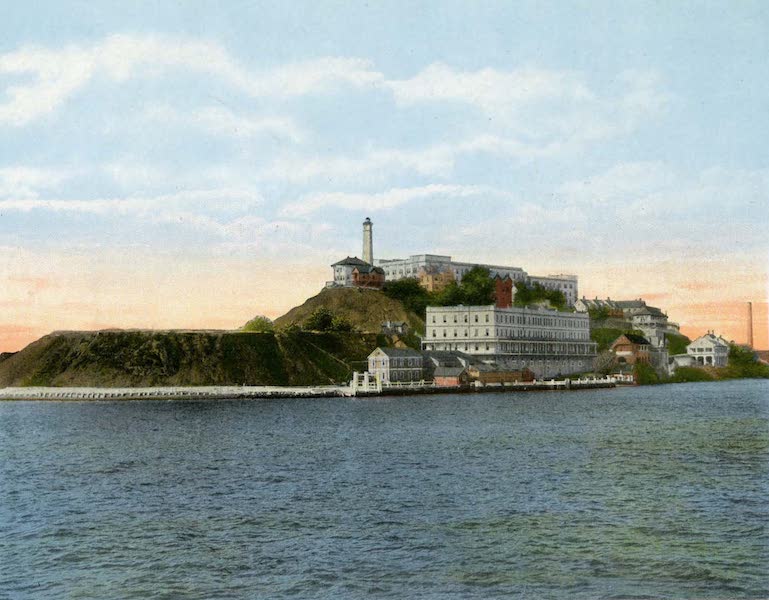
(410, 293)
(339, 323)
(321, 319)
(525, 295)
(259, 324)
(477, 287)
(451, 295)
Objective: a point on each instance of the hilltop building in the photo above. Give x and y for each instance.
(547, 342)
(431, 265)
(709, 350)
(650, 320)
(354, 272)
(434, 271)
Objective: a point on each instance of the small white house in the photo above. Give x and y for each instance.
(709, 350)
(396, 365)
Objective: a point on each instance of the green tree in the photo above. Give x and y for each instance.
(477, 287)
(339, 323)
(645, 374)
(259, 324)
(451, 295)
(525, 295)
(321, 319)
(410, 293)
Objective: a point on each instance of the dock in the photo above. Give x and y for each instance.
(359, 389)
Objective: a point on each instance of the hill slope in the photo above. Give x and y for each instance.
(364, 309)
(160, 358)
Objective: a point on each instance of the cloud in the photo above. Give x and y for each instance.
(538, 105)
(437, 160)
(27, 182)
(381, 200)
(56, 74)
(224, 122)
(205, 210)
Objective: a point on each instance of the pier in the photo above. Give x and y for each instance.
(359, 386)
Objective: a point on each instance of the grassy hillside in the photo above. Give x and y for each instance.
(363, 309)
(152, 358)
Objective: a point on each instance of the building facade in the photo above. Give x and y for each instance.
(631, 349)
(396, 365)
(545, 341)
(419, 264)
(368, 276)
(709, 350)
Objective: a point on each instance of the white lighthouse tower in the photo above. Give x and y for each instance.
(368, 241)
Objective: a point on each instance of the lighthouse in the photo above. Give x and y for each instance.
(368, 241)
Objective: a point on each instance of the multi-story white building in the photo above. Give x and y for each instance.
(710, 349)
(548, 342)
(412, 266)
(402, 268)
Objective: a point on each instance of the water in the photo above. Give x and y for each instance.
(643, 492)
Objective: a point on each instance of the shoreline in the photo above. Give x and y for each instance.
(267, 392)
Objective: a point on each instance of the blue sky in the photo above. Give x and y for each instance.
(623, 142)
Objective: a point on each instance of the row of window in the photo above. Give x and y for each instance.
(395, 362)
(514, 333)
(519, 348)
(520, 320)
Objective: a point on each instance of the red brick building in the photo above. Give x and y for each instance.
(631, 349)
(368, 276)
(503, 291)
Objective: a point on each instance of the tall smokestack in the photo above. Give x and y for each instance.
(750, 324)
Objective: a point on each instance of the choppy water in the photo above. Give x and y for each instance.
(644, 493)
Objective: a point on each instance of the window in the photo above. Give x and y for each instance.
(476, 318)
(433, 318)
(487, 332)
(487, 318)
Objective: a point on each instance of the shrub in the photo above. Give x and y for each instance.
(645, 374)
(684, 374)
(259, 324)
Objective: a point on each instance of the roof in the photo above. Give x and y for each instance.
(630, 304)
(352, 261)
(399, 352)
(448, 371)
(652, 310)
(635, 339)
(709, 337)
(367, 268)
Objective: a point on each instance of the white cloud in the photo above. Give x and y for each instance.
(379, 164)
(27, 182)
(537, 105)
(381, 200)
(200, 209)
(224, 122)
(58, 73)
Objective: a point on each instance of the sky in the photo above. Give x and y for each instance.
(193, 164)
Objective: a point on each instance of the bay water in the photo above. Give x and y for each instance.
(645, 492)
